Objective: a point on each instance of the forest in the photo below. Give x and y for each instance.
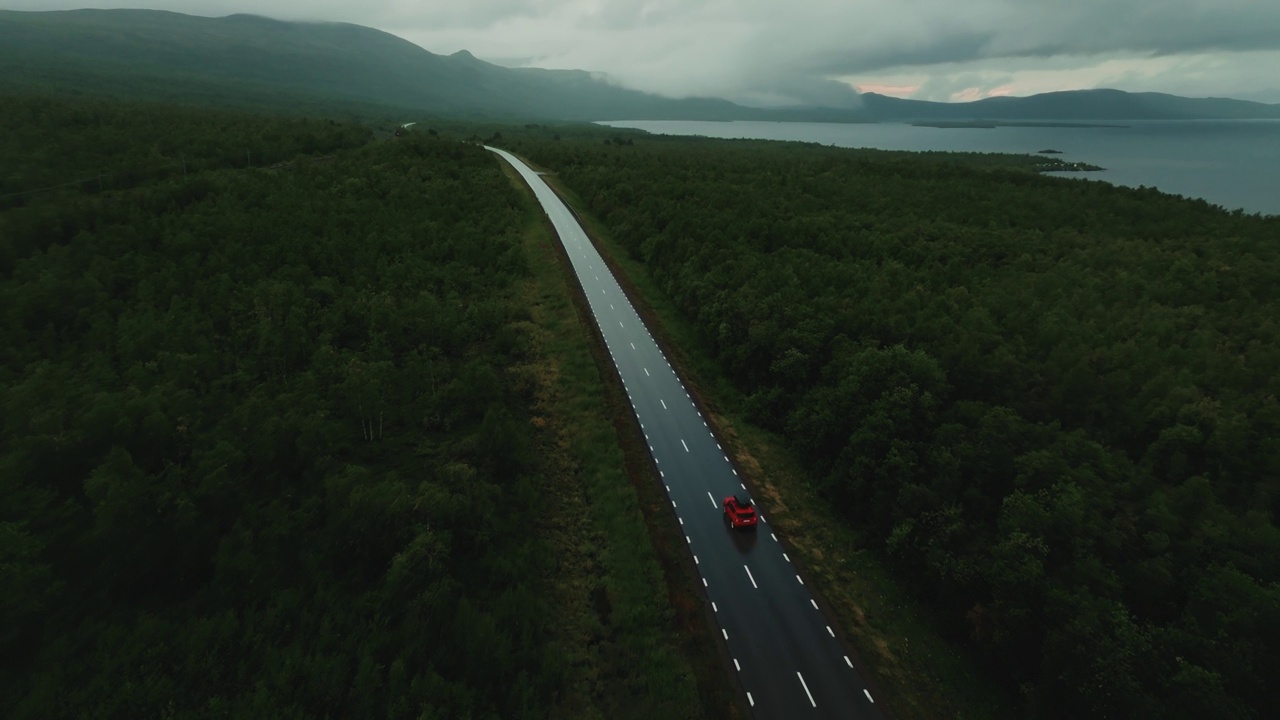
(1050, 404)
(267, 419)
(264, 429)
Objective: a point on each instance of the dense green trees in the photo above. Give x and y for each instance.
(106, 145)
(261, 453)
(1052, 404)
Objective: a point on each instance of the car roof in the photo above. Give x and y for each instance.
(742, 499)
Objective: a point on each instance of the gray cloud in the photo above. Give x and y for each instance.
(777, 51)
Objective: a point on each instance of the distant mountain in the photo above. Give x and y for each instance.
(1072, 105)
(173, 56)
(251, 60)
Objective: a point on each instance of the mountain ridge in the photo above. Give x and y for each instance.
(172, 55)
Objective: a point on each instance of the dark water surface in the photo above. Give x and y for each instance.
(1232, 163)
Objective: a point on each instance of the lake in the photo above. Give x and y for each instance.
(1232, 163)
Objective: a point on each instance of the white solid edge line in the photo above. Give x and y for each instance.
(806, 689)
(866, 692)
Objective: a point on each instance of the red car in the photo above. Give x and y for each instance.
(739, 511)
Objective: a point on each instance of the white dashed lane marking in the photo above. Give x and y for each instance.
(753, 579)
(806, 689)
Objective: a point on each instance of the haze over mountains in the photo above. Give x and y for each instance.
(167, 55)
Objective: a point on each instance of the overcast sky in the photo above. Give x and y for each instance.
(771, 51)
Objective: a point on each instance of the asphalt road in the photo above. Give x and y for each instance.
(787, 656)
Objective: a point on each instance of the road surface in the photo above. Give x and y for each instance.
(786, 654)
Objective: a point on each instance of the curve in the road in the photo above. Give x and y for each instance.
(788, 658)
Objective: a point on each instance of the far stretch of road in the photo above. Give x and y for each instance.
(786, 654)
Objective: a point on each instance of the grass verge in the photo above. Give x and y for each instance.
(631, 634)
(914, 671)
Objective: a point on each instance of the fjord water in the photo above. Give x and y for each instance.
(1232, 163)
